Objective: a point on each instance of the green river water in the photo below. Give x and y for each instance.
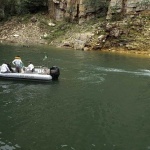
(100, 102)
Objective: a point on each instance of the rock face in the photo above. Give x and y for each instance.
(127, 7)
(78, 41)
(83, 10)
(76, 10)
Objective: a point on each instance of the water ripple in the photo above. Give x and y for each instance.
(91, 77)
(8, 146)
(142, 72)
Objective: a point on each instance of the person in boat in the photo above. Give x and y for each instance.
(30, 67)
(18, 64)
(5, 68)
(9, 66)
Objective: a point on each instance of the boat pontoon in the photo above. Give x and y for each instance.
(40, 74)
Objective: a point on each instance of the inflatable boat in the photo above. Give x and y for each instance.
(39, 74)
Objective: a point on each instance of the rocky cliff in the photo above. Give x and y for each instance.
(127, 7)
(83, 10)
(116, 24)
(77, 10)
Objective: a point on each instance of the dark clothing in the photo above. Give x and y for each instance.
(18, 69)
(9, 66)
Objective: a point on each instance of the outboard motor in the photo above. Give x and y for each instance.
(54, 72)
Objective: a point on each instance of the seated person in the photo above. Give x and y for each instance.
(10, 68)
(30, 67)
(5, 68)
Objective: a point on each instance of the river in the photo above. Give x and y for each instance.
(100, 102)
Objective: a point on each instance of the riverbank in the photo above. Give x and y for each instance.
(133, 53)
(131, 35)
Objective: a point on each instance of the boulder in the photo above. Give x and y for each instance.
(79, 45)
(102, 38)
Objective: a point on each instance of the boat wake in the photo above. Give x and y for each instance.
(98, 75)
(139, 72)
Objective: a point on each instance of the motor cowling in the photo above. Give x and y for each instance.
(54, 72)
